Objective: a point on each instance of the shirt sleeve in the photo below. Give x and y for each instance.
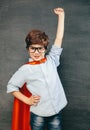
(17, 80)
(55, 53)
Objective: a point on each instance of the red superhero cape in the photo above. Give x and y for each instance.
(21, 111)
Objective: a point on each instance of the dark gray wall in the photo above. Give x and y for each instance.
(17, 17)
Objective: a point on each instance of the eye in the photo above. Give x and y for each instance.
(33, 48)
(40, 48)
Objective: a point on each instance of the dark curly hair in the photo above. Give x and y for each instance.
(36, 37)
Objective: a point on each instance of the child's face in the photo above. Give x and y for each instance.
(36, 52)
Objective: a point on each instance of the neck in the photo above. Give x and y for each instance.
(38, 62)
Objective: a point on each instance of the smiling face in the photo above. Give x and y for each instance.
(36, 52)
(36, 44)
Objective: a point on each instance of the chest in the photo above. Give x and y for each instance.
(41, 72)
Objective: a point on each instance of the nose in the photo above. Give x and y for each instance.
(36, 51)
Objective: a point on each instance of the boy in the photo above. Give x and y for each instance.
(41, 78)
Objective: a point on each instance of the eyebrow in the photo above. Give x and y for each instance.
(37, 47)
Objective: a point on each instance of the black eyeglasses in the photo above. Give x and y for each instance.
(39, 49)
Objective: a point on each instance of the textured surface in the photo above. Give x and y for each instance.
(17, 17)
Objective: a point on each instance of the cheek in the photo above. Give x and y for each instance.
(30, 54)
(43, 54)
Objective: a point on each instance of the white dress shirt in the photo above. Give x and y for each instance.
(43, 80)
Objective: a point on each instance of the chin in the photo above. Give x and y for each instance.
(38, 59)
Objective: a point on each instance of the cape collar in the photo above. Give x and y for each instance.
(37, 62)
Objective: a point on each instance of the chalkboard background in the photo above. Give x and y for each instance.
(17, 17)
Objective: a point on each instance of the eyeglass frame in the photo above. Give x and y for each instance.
(38, 49)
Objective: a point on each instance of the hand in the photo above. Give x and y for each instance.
(59, 11)
(33, 100)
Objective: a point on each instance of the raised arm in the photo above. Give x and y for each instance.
(60, 27)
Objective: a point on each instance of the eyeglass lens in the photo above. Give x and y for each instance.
(39, 49)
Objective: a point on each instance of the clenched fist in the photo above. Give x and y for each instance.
(59, 11)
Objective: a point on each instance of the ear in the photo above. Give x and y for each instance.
(28, 51)
(45, 53)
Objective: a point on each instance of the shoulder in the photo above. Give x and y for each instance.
(24, 67)
(54, 54)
